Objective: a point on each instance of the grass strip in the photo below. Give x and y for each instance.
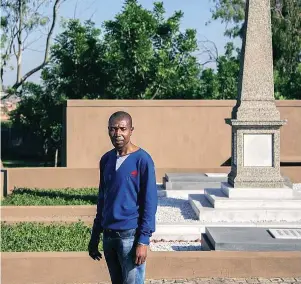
(38, 237)
(44, 197)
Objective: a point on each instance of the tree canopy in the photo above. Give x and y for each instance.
(142, 54)
(286, 35)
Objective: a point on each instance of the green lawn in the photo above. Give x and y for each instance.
(43, 197)
(30, 237)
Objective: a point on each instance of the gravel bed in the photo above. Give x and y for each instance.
(297, 186)
(175, 246)
(174, 210)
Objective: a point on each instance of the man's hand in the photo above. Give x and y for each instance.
(94, 252)
(141, 254)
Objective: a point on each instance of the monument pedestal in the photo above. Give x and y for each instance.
(255, 154)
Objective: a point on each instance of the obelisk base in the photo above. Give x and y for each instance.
(255, 154)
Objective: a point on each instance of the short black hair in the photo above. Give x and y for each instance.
(121, 115)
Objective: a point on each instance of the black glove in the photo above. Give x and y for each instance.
(93, 251)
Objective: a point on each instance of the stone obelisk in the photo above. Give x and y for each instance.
(255, 119)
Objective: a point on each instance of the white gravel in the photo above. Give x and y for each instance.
(175, 246)
(174, 210)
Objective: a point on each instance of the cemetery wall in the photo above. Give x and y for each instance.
(177, 133)
(55, 178)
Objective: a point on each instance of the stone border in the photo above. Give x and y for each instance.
(48, 214)
(77, 267)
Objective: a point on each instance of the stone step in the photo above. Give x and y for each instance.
(196, 177)
(264, 193)
(178, 193)
(176, 232)
(183, 185)
(194, 231)
(206, 213)
(219, 200)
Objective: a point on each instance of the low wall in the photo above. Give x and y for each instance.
(78, 178)
(73, 177)
(177, 133)
(3, 186)
(51, 267)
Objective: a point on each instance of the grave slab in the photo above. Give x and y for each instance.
(194, 177)
(248, 239)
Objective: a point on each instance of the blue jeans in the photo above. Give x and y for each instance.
(120, 251)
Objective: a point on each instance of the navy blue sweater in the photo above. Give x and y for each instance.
(127, 197)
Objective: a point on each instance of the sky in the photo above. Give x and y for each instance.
(196, 14)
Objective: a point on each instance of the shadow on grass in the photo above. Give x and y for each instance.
(24, 164)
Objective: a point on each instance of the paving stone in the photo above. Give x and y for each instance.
(263, 280)
(252, 280)
(276, 279)
(241, 280)
(218, 280)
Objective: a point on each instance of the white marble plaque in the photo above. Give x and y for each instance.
(258, 150)
(286, 233)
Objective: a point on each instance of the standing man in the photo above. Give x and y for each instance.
(127, 204)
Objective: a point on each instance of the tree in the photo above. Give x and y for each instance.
(286, 33)
(228, 73)
(140, 55)
(76, 70)
(19, 19)
(222, 83)
(148, 57)
(40, 114)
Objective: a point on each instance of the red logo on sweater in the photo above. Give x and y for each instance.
(134, 173)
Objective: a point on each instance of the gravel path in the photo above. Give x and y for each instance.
(174, 210)
(175, 246)
(254, 280)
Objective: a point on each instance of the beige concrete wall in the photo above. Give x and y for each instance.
(178, 134)
(52, 178)
(77, 267)
(78, 178)
(55, 178)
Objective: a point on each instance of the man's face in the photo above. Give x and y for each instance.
(120, 132)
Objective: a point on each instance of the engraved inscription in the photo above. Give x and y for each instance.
(286, 233)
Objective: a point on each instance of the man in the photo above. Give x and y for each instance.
(127, 204)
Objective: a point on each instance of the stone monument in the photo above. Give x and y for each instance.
(255, 194)
(255, 120)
